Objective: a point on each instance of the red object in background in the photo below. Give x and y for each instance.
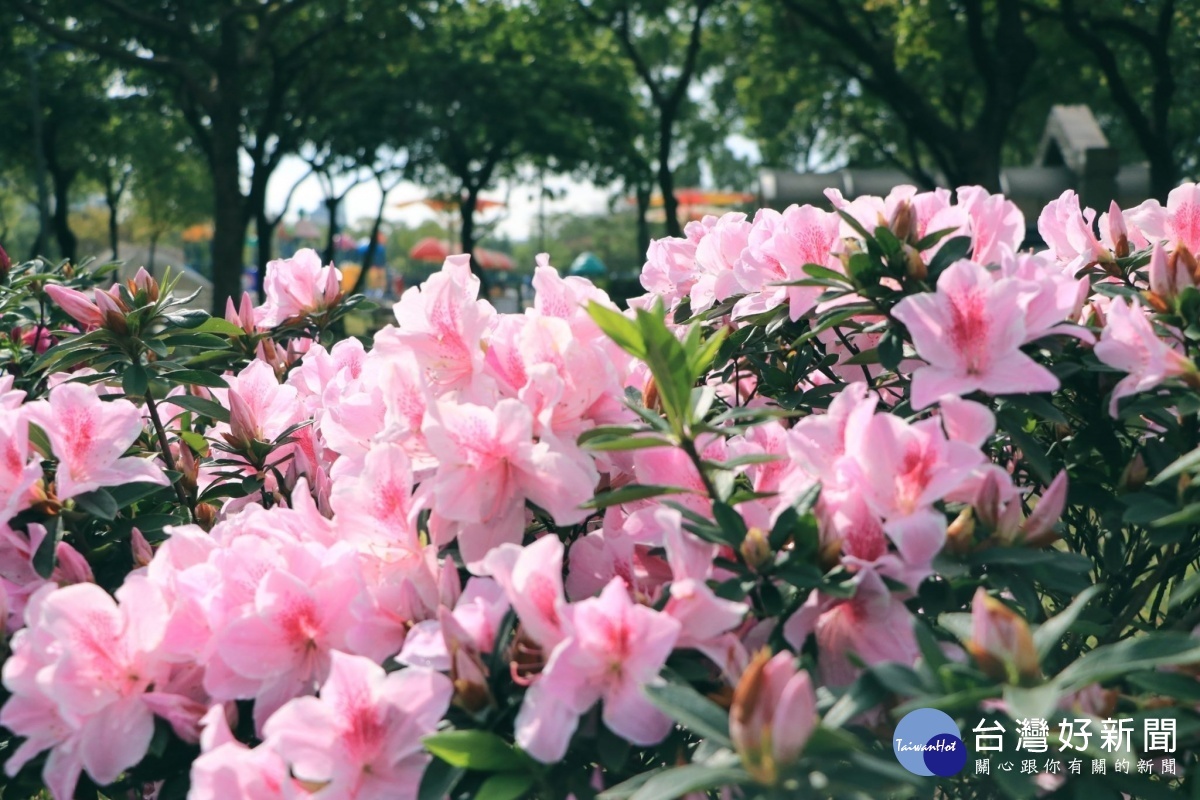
(435, 251)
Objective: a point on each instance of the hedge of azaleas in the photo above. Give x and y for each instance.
(835, 465)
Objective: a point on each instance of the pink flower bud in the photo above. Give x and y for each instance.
(1167, 276)
(772, 716)
(72, 567)
(76, 304)
(1045, 514)
(1118, 231)
(143, 281)
(242, 425)
(142, 552)
(1001, 642)
(5, 266)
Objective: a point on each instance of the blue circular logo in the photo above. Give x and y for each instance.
(928, 742)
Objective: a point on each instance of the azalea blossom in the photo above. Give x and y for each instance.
(970, 332)
(615, 647)
(361, 739)
(89, 438)
(297, 286)
(1130, 344)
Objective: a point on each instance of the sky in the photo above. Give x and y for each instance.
(518, 221)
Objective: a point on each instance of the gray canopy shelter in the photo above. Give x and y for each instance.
(1074, 154)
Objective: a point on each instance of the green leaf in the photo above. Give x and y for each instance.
(687, 779)
(692, 710)
(206, 408)
(626, 789)
(891, 350)
(45, 557)
(731, 523)
(1152, 650)
(620, 328)
(505, 786)
(627, 443)
(1185, 463)
(629, 493)
(1171, 684)
(476, 749)
(219, 326)
(439, 780)
(98, 503)
(1051, 632)
(817, 271)
(196, 377)
(134, 380)
(129, 493)
(951, 250)
(1035, 702)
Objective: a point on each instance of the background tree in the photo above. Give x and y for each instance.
(238, 71)
(520, 88)
(1145, 54)
(945, 86)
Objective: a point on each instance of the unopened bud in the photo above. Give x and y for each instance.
(112, 314)
(1001, 642)
(1134, 476)
(144, 282)
(914, 265)
(5, 264)
(142, 552)
(756, 549)
(206, 516)
(960, 534)
(1118, 232)
(774, 711)
(1039, 527)
(903, 222)
(650, 396)
(71, 567)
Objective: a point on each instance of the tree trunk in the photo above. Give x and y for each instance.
(112, 197)
(466, 236)
(61, 220)
(1164, 170)
(265, 230)
(153, 248)
(331, 206)
(229, 220)
(642, 192)
(666, 180)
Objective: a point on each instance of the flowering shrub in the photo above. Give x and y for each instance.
(833, 467)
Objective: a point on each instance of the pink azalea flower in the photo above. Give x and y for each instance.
(778, 248)
(1129, 343)
(901, 468)
(970, 332)
(279, 646)
(85, 677)
(20, 469)
(1178, 223)
(297, 286)
(532, 579)
(716, 255)
(229, 770)
(615, 648)
(362, 739)
(874, 625)
(377, 505)
(489, 465)
(443, 324)
(997, 225)
(1068, 232)
(89, 437)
